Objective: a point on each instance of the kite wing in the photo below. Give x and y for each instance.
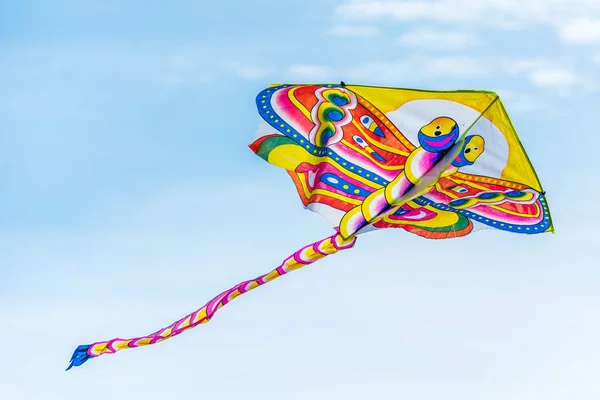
(491, 202)
(335, 145)
(500, 189)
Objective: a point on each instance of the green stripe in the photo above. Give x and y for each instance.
(463, 222)
(268, 145)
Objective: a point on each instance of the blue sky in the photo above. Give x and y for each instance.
(129, 198)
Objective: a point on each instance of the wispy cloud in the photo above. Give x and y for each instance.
(485, 14)
(438, 39)
(400, 10)
(354, 31)
(249, 72)
(457, 66)
(526, 65)
(521, 102)
(547, 74)
(536, 74)
(310, 72)
(581, 31)
(382, 71)
(77, 64)
(552, 77)
(415, 68)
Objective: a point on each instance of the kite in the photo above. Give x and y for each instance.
(438, 164)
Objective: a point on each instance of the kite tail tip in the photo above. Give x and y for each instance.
(79, 356)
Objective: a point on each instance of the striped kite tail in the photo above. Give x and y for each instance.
(305, 256)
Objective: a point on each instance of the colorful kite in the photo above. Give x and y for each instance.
(439, 164)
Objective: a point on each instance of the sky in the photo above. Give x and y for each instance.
(129, 197)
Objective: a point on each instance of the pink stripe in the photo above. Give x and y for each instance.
(316, 248)
(288, 111)
(297, 255)
(400, 188)
(423, 163)
(441, 143)
(505, 217)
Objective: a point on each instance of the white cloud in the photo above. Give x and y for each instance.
(519, 102)
(456, 66)
(548, 74)
(581, 31)
(520, 66)
(552, 77)
(397, 10)
(453, 10)
(354, 31)
(500, 14)
(438, 39)
(396, 72)
(384, 72)
(248, 71)
(95, 64)
(310, 72)
(418, 68)
(539, 72)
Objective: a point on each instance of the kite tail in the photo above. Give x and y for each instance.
(305, 256)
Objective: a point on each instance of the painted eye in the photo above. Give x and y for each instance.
(361, 142)
(438, 127)
(366, 121)
(459, 189)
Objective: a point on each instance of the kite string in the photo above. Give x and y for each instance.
(305, 256)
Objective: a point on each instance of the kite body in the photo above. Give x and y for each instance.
(436, 164)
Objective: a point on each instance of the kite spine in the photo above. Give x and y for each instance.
(305, 256)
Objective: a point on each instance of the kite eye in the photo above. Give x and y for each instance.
(459, 189)
(366, 120)
(361, 142)
(467, 151)
(438, 127)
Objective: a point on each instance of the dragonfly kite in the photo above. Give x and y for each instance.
(438, 164)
